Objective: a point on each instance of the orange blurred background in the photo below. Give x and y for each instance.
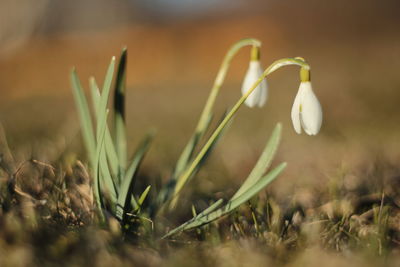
(174, 51)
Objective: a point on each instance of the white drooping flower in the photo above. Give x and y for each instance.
(259, 96)
(306, 110)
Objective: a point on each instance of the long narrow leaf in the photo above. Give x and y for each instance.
(102, 106)
(215, 142)
(109, 145)
(264, 161)
(143, 195)
(109, 184)
(97, 189)
(210, 209)
(189, 148)
(84, 116)
(185, 155)
(112, 156)
(201, 162)
(102, 119)
(197, 217)
(231, 205)
(128, 182)
(119, 113)
(182, 163)
(95, 94)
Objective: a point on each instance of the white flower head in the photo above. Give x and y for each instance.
(259, 96)
(306, 110)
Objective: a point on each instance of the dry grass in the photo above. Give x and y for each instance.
(47, 219)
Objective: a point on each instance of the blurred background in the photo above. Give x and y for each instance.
(174, 51)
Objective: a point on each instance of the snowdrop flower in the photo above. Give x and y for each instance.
(306, 110)
(259, 96)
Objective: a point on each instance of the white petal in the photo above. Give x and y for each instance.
(254, 97)
(296, 111)
(311, 113)
(264, 92)
(258, 96)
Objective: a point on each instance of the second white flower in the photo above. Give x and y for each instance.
(259, 96)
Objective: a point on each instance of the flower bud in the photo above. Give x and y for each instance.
(259, 95)
(306, 110)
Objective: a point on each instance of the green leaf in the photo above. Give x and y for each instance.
(109, 145)
(189, 148)
(126, 188)
(184, 226)
(264, 161)
(119, 113)
(215, 141)
(201, 160)
(109, 185)
(182, 163)
(143, 196)
(211, 208)
(102, 106)
(84, 116)
(102, 131)
(112, 156)
(99, 148)
(194, 212)
(207, 217)
(95, 94)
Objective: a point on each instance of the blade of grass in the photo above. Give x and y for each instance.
(143, 196)
(216, 140)
(207, 217)
(95, 94)
(182, 163)
(210, 209)
(127, 185)
(109, 145)
(119, 113)
(189, 148)
(264, 161)
(102, 106)
(203, 160)
(109, 185)
(102, 119)
(97, 189)
(84, 116)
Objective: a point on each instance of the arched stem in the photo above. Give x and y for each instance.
(183, 178)
(219, 80)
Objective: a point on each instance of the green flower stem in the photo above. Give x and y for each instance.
(219, 80)
(273, 67)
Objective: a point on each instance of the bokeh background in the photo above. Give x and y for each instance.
(175, 48)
